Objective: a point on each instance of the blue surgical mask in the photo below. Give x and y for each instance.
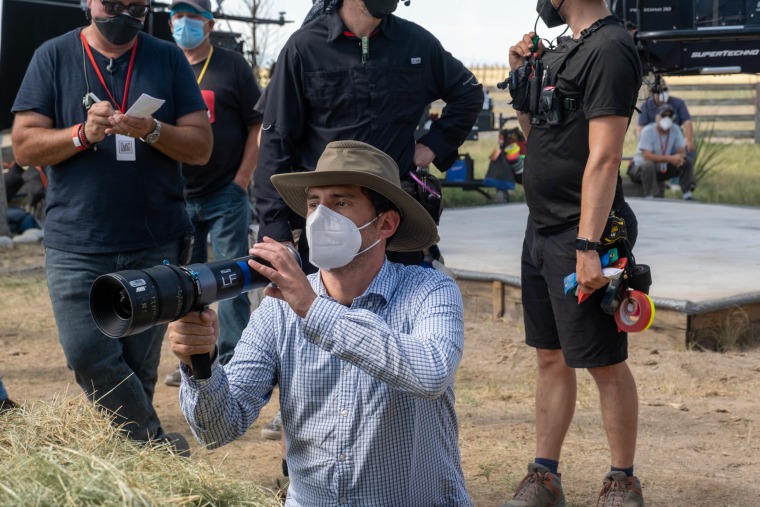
(188, 32)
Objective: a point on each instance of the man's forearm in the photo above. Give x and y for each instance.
(190, 144)
(463, 104)
(43, 146)
(606, 137)
(599, 182)
(460, 113)
(655, 157)
(250, 157)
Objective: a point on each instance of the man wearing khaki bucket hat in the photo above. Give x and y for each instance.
(364, 351)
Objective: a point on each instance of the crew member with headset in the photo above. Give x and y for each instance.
(574, 103)
(355, 71)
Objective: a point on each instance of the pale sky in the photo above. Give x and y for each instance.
(474, 31)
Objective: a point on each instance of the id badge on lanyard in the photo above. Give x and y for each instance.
(125, 148)
(125, 145)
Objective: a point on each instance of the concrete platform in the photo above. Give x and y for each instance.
(705, 262)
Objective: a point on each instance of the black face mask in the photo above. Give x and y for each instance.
(380, 8)
(549, 14)
(120, 29)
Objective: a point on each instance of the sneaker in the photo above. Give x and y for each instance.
(687, 196)
(7, 404)
(173, 379)
(273, 430)
(540, 488)
(620, 491)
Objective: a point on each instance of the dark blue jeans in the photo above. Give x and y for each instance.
(225, 216)
(3, 392)
(118, 374)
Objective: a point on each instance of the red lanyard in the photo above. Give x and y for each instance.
(665, 146)
(349, 33)
(123, 106)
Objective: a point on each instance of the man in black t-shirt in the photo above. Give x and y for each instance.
(217, 193)
(572, 184)
(114, 196)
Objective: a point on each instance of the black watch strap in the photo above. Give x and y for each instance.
(585, 245)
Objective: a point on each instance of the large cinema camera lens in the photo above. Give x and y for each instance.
(129, 302)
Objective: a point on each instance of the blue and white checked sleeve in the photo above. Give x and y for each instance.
(415, 349)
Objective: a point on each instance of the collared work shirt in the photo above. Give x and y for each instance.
(323, 90)
(366, 392)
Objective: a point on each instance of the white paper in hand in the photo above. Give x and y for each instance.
(145, 106)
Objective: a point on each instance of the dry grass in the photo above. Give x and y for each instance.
(65, 453)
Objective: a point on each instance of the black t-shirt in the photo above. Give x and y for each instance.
(604, 76)
(230, 92)
(96, 204)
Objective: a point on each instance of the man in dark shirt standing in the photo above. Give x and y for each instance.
(359, 73)
(572, 184)
(217, 193)
(114, 197)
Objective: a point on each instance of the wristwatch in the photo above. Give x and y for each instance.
(153, 136)
(585, 245)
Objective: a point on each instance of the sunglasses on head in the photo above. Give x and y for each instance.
(116, 8)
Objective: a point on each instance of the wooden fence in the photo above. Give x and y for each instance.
(490, 75)
(737, 103)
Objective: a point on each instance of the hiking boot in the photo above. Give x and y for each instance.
(173, 379)
(620, 491)
(540, 488)
(273, 430)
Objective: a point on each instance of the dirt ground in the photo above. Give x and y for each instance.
(699, 431)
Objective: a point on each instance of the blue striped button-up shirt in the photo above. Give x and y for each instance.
(366, 392)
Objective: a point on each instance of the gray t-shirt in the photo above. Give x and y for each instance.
(654, 141)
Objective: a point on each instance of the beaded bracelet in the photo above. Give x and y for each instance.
(79, 137)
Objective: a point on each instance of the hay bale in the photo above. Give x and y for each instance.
(66, 453)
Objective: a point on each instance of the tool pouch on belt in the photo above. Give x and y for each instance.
(638, 276)
(614, 231)
(426, 189)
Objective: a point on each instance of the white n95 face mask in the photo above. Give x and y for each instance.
(334, 240)
(666, 123)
